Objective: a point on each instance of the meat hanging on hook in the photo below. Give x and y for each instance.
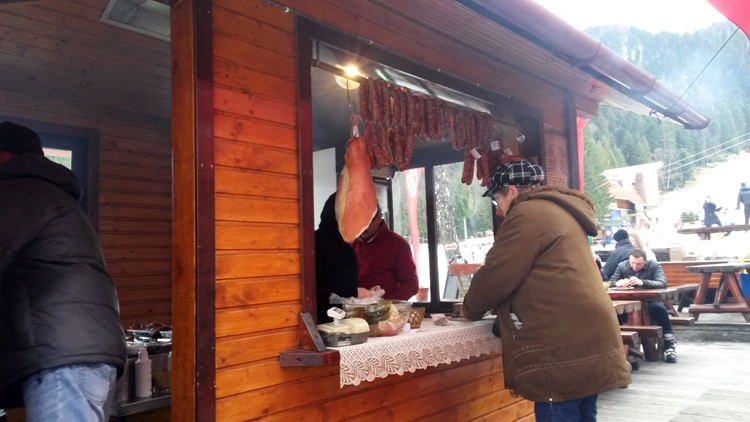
(422, 118)
(375, 109)
(364, 102)
(468, 174)
(430, 115)
(371, 142)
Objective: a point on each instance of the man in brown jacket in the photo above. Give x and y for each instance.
(561, 339)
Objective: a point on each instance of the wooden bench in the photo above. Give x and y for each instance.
(652, 350)
(705, 232)
(631, 343)
(630, 338)
(651, 331)
(682, 321)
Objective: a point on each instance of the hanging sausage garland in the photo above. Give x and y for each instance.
(393, 116)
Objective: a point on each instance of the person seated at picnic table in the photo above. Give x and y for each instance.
(641, 273)
(620, 254)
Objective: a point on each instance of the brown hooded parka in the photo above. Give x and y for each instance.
(541, 269)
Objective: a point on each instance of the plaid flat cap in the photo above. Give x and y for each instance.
(519, 173)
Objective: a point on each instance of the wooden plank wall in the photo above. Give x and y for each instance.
(257, 233)
(59, 64)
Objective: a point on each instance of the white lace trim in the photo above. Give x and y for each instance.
(430, 345)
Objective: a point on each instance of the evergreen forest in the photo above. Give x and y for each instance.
(618, 138)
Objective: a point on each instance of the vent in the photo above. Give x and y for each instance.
(150, 17)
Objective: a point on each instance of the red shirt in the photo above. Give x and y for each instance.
(385, 260)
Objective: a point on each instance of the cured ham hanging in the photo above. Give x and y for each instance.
(356, 202)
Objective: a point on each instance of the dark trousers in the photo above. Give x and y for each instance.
(658, 313)
(747, 213)
(577, 410)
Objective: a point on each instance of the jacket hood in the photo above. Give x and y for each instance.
(575, 203)
(34, 166)
(623, 242)
(329, 226)
(745, 189)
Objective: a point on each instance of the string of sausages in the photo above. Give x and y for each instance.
(393, 116)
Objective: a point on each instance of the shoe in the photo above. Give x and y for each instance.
(670, 355)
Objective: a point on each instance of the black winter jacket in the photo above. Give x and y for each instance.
(335, 262)
(58, 305)
(710, 218)
(621, 252)
(652, 275)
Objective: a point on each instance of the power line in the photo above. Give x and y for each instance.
(704, 151)
(710, 155)
(707, 64)
(704, 157)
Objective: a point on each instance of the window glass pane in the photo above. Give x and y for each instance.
(410, 221)
(60, 156)
(464, 225)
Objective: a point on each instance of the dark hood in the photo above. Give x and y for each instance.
(575, 203)
(623, 242)
(34, 166)
(745, 189)
(329, 226)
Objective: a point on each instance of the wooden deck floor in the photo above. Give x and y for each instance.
(710, 382)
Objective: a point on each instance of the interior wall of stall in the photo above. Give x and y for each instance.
(60, 65)
(258, 224)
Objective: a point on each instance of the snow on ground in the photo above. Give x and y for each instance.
(722, 182)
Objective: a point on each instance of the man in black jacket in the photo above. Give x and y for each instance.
(639, 273)
(620, 254)
(61, 341)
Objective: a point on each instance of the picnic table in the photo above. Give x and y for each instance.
(652, 341)
(727, 283)
(631, 307)
(705, 232)
(630, 336)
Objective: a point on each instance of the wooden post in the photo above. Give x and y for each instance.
(193, 267)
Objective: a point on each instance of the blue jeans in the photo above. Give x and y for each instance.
(578, 410)
(69, 393)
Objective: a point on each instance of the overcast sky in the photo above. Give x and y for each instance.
(652, 15)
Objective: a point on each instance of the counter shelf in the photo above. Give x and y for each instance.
(429, 345)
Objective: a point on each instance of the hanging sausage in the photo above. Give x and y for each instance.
(364, 102)
(468, 175)
(375, 109)
(422, 117)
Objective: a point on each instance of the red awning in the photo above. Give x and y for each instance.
(737, 11)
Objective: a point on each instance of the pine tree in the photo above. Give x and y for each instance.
(721, 93)
(595, 185)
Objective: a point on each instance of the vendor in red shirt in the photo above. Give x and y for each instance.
(384, 259)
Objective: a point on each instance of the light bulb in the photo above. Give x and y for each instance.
(352, 71)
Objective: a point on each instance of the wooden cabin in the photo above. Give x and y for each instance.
(198, 154)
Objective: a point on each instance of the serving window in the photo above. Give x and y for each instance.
(443, 220)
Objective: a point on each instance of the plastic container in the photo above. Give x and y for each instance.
(143, 381)
(745, 284)
(385, 318)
